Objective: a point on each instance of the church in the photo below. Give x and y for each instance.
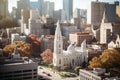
(73, 56)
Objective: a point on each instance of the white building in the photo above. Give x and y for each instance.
(17, 37)
(73, 56)
(35, 23)
(105, 29)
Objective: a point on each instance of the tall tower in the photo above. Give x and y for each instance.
(4, 8)
(68, 8)
(58, 45)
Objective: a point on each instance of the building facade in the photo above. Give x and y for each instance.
(68, 8)
(72, 56)
(79, 37)
(4, 8)
(17, 69)
(35, 23)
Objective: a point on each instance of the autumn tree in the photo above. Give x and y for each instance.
(35, 42)
(47, 56)
(110, 58)
(23, 48)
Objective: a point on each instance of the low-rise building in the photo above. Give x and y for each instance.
(78, 37)
(16, 68)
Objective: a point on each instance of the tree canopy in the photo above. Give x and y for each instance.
(23, 48)
(35, 42)
(110, 58)
(47, 56)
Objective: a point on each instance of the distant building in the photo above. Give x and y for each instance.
(17, 68)
(79, 37)
(114, 43)
(77, 22)
(4, 8)
(73, 56)
(25, 15)
(68, 8)
(80, 13)
(49, 8)
(35, 23)
(47, 42)
(13, 30)
(17, 37)
(22, 4)
(66, 30)
(41, 7)
(96, 12)
(34, 5)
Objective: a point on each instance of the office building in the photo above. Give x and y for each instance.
(35, 23)
(4, 8)
(49, 8)
(79, 37)
(95, 13)
(22, 4)
(16, 68)
(68, 8)
(34, 5)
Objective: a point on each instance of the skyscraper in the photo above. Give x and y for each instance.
(4, 7)
(68, 8)
(22, 4)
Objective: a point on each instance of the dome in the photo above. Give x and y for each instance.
(71, 48)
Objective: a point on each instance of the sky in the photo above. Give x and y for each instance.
(82, 4)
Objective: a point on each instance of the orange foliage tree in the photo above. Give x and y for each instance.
(23, 48)
(109, 58)
(35, 42)
(47, 56)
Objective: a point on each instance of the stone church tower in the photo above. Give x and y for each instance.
(58, 45)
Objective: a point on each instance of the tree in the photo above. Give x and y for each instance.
(47, 56)
(8, 23)
(110, 58)
(35, 42)
(23, 48)
(77, 69)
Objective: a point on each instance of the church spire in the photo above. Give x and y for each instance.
(58, 41)
(104, 19)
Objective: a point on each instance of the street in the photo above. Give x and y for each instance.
(46, 74)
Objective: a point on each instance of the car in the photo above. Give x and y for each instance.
(48, 74)
(40, 68)
(43, 72)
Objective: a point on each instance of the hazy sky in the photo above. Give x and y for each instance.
(83, 4)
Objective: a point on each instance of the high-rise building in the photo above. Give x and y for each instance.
(49, 8)
(68, 8)
(34, 5)
(41, 7)
(25, 15)
(96, 12)
(4, 7)
(22, 4)
(35, 23)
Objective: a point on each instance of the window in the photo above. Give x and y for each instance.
(60, 61)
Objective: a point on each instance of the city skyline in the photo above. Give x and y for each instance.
(59, 3)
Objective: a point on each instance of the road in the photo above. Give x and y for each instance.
(53, 75)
